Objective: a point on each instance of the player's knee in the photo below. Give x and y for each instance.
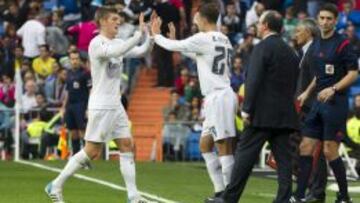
(126, 145)
(94, 153)
(305, 148)
(330, 152)
(205, 147)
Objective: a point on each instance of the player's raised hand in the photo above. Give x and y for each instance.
(153, 17)
(152, 20)
(172, 31)
(142, 25)
(155, 26)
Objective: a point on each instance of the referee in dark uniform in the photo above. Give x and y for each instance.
(268, 110)
(77, 85)
(335, 68)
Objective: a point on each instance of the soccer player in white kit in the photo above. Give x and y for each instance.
(107, 117)
(213, 53)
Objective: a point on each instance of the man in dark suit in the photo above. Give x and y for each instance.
(268, 110)
(305, 34)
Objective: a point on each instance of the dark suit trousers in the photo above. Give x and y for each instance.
(318, 179)
(246, 155)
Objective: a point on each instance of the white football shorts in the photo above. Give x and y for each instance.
(107, 124)
(220, 109)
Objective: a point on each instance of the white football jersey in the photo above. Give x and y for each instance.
(106, 61)
(213, 54)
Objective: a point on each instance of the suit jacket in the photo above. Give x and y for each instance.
(270, 85)
(306, 75)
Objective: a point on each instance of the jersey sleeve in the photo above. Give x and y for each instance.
(193, 44)
(140, 51)
(348, 56)
(115, 48)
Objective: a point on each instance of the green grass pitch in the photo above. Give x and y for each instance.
(180, 182)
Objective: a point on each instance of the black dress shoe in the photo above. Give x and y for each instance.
(313, 199)
(216, 195)
(294, 199)
(341, 199)
(215, 200)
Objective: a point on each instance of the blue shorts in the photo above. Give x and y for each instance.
(75, 116)
(327, 121)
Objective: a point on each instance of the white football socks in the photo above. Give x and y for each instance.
(227, 163)
(214, 169)
(74, 164)
(127, 168)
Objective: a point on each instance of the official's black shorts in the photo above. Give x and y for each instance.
(75, 116)
(327, 121)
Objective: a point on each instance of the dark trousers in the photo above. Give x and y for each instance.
(318, 178)
(164, 62)
(246, 154)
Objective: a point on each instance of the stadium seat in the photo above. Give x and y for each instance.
(192, 146)
(350, 162)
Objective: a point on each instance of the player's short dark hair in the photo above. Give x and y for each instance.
(210, 11)
(274, 20)
(103, 12)
(332, 8)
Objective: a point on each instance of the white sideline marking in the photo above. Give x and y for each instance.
(353, 189)
(260, 194)
(97, 181)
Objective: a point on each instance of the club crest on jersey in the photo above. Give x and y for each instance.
(113, 69)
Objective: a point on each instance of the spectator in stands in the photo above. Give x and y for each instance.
(348, 16)
(55, 88)
(10, 32)
(195, 109)
(75, 103)
(71, 12)
(29, 97)
(6, 124)
(181, 111)
(28, 74)
(168, 13)
(126, 29)
(245, 48)
(290, 22)
(57, 19)
(7, 91)
(353, 131)
(182, 81)
(232, 20)
(136, 7)
(19, 57)
(192, 89)
(43, 65)
(313, 7)
(65, 60)
(354, 39)
(16, 15)
(183, 25)
(55, 37)
(33, 35)
(237, 76)
(254, 13)
(40, 101)
(30, 139)
(6, 56)
(85, 32)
